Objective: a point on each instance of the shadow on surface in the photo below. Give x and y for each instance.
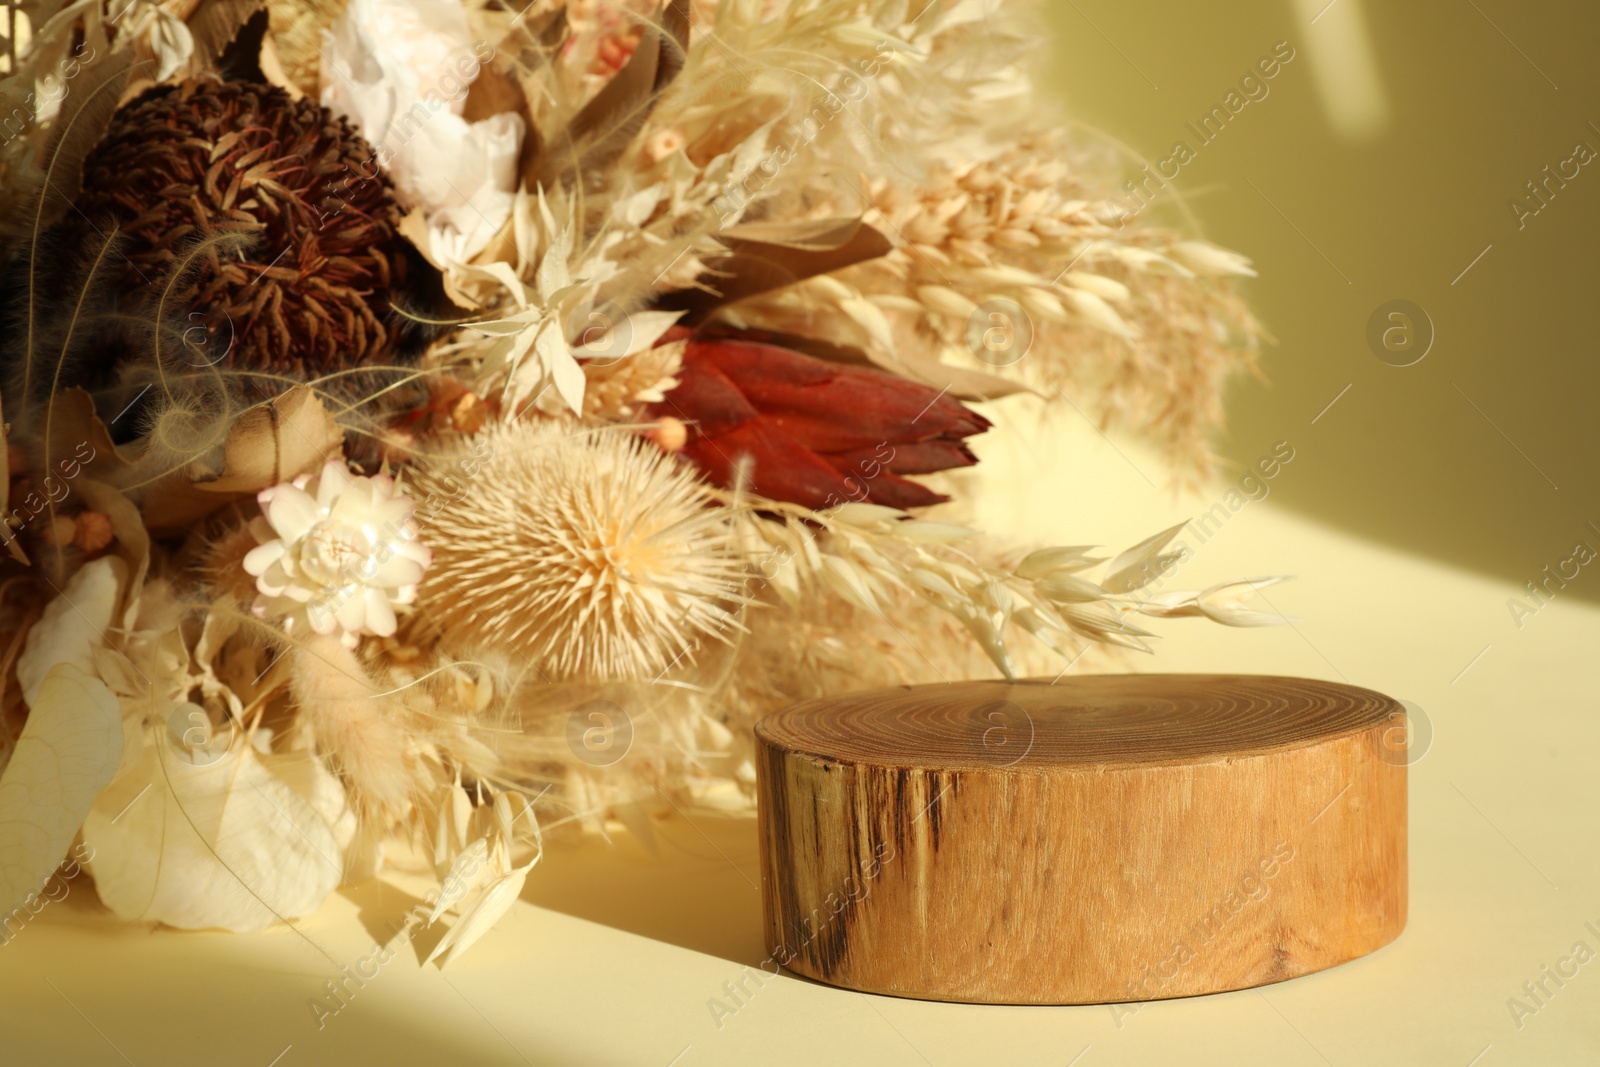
(694, 886)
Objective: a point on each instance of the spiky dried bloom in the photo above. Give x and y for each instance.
(588, 554)
(312, 292)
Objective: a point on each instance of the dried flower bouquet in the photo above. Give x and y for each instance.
(433, 423)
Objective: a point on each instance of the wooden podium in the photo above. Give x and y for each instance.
(1104, 838)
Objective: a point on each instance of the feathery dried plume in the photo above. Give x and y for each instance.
(592, 555)
(1140, 323)
(363, 732)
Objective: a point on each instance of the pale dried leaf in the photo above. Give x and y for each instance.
(198, 844)
(1207, 259)
(72, 625)
(465, 873)
(273, 442)
(1061, 587)
(1143, 563)
(870, 317)
(67, 753)
(1225, 603)
(1098, 284)
(78, 436)
(476, 921)
(1098, 313)
(848, 581)
(935, 583)
(1063, 558)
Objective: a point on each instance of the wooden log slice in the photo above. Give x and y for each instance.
(1103, 838)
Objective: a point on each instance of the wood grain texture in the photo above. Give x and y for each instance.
(1104, 838)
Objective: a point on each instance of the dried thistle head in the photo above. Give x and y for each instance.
(592, 555)
(308, 290)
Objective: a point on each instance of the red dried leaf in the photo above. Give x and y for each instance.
(813, 432)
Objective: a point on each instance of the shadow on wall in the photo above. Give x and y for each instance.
(1425, 243)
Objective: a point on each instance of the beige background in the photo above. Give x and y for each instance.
(1474, 98)
(613, 954)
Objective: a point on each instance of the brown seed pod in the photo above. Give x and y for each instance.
(311, 290)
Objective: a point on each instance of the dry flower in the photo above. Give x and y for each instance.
(400, 69)
(338, 553)
(92, 531)
(72, 624)
(590, 554)
(208, 157)
(812, 432)
(617, 389)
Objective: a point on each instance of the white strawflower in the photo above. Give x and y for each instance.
(338, 551)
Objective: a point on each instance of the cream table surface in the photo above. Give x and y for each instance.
(614, 954)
